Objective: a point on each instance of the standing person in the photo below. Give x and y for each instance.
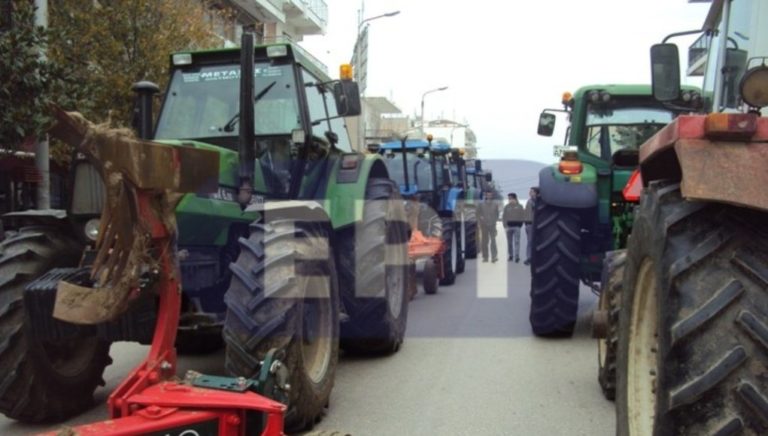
(513, 218)
(487, 216)
(530, 206)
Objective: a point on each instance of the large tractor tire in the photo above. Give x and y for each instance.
(609, 304)
(373, 266)
(693, 335)
(470, 233)
(42, 381)
(555, 270)
(284, 295)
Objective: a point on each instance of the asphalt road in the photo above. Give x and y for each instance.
(469, 366)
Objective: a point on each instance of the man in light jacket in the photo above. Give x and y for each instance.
(487, 217)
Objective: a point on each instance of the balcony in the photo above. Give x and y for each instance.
(293, 17)
(309, 17)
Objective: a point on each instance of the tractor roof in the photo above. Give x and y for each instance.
(622, 89)
(414, 144)
(232, 55)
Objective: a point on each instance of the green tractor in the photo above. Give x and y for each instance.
(302, 234)
(582, 212)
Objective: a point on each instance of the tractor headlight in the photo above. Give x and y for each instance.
(753, 86)
(92, 229)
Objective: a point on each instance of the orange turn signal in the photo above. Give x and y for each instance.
(730, 126)
(570, 167)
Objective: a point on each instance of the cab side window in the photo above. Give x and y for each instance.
(318, 115)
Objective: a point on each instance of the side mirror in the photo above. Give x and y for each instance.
(488, 177)
(347, 96)
(546, 124)
(478, 165)
(665, 72)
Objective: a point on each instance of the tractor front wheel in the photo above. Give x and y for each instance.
(42, 381)
(555, 270)
(693, 328)
(284, 295)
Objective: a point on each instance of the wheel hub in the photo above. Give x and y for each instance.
(317, 332)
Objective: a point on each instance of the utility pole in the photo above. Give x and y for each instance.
(42, 150)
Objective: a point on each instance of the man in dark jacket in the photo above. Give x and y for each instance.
(513, 218)
(487, 216)
(533, 196)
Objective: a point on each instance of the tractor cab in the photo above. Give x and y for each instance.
(294, 120)
(422, 169)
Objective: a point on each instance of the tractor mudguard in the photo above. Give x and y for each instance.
(41, 216)
(454, 195)
(563, 193)
(299, 210)
(721, 170)
(344, 197)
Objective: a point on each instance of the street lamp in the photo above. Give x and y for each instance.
(359, 44)
(421, 126)
(358, 63)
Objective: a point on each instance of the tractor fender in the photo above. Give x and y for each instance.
(454, 195)
(723, 171)
(345, 192)
(41, 217)
(563, 193)
(299, 210)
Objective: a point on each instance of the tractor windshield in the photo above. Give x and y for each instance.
(611, 130)
(419, 171)
(202, 102)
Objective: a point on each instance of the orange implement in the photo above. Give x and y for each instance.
(422, 246)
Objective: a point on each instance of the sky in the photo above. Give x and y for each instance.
(503, 61)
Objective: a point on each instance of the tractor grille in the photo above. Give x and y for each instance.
(88, 193)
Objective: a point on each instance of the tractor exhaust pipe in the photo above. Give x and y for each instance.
(142, 112)
(246, 123)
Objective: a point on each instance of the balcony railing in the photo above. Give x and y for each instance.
(318, 8)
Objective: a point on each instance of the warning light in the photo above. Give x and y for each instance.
(345, 72)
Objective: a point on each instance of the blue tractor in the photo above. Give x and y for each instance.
(422, 169)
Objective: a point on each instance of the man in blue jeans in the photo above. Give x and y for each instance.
(533, 197)
(513, 218)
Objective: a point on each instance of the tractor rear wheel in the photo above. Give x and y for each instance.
(470, 233)
(693, 336)
(555, 270)
(284, 295)
(609, 304)
(373, 266)
(42, 381)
